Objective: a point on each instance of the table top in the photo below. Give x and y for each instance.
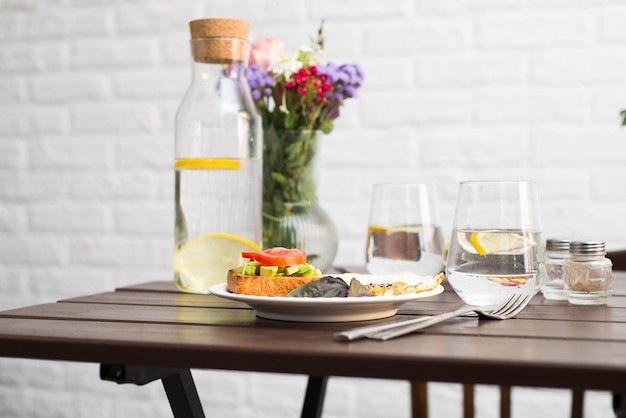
(550, 344)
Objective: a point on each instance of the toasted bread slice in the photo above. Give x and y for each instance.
(264, 285)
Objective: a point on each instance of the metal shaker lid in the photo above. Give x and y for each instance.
(587, 247)
(557, 244)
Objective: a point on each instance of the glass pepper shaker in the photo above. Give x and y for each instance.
(557, 252)
(588, 273)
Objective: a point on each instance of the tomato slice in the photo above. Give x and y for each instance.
(277, 256)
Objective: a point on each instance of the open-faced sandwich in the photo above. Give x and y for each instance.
(272, 272)
(285, 272)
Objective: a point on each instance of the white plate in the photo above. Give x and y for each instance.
(323, 309)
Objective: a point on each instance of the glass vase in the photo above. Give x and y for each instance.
(292, 217)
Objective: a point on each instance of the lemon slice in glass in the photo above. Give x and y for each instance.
(497, 242)
(390, 229)
(205, 261)
(376, 229)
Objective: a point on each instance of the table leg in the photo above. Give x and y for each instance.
(182, 394)
(468, 401)
(178, 384)
(619, 405)
(578, 399)
(505, 401)
(314, 397)
(419, 399)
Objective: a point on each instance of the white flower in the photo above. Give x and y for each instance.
(312, 53)
(291, 61)
(286, 65)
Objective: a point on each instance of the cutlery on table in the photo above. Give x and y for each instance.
(508, 309)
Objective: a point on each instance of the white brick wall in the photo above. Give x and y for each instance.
(455, 90)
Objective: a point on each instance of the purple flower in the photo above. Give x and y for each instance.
(346, 79)
(331, 70)
(260, 82)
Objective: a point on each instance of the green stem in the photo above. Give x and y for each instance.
(288, 184)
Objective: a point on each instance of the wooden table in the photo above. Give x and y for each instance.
(150, 331)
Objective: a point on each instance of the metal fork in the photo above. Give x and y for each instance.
(508, 309)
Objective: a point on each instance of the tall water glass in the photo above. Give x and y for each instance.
(403, 233)
(496, 247)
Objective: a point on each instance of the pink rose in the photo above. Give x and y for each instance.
(265, 52)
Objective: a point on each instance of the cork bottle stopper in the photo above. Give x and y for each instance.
(219, 28)
(218, 40)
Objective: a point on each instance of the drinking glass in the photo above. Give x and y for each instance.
(403, 233)
(496, 247)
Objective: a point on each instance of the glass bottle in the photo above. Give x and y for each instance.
(588, 273)
(557, 252)
(218, 159)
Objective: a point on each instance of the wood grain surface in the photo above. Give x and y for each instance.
(550, 344)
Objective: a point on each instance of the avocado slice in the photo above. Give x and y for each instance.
(268, 271)
(291, 270)
(303, 269)
(251, 268)
(255, 268)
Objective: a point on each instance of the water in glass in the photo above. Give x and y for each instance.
(415, 248)
(487, 266)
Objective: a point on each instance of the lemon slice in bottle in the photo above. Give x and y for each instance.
(492, 242)
(205, 261)
(207, 163)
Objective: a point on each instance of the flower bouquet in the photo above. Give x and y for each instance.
(298, 98)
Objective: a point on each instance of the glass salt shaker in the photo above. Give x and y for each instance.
(587, 273)
(557, 252)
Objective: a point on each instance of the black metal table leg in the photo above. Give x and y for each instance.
(314, 397)
(619, 405)
(178, 384)
(182, 394)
